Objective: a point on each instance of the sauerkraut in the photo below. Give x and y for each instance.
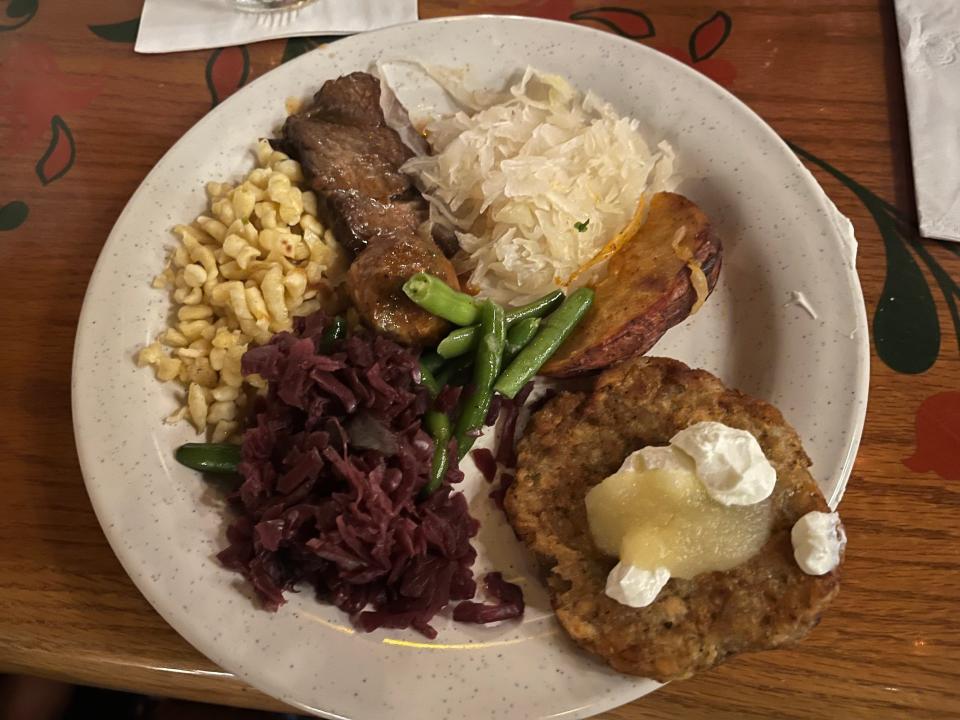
(535, 182)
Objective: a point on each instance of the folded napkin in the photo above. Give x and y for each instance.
(929, 33)
(173, 25)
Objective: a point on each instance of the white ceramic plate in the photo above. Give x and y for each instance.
(781, 235)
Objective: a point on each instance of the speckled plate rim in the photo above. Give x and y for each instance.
(82, 428)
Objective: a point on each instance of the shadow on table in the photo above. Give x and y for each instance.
(30, 698)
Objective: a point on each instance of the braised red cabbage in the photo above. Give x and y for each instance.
(332, 471)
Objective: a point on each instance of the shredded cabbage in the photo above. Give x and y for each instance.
(535, 182)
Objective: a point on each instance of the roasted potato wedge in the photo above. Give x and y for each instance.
(646, 291)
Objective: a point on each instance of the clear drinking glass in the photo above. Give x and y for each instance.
(259, 5)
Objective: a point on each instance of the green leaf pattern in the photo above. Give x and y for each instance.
(906, 329)
(21, 12)
(121, 32)
(13, 215)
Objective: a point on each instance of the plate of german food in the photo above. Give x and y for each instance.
(480, 367)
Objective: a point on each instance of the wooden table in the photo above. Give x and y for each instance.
(83, 119)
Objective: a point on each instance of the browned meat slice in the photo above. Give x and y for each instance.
(342, 157)
(357, 220)
(446, 239)
(352, 99)
(375, 280)
(352, 159)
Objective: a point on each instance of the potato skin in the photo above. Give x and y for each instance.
(647, 289)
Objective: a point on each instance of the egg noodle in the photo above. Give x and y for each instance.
(236, 276)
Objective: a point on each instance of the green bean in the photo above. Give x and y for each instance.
(493, 331)
(555, 330)
(219, 458)
(464, 340)
(459, 342)
(429, 381)
(452, 371)
(437, 298)
(538, 308)
(431, 361)
(336, 331)
(438, 425)
(518, 336)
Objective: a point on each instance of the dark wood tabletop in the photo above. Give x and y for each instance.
(83, 119)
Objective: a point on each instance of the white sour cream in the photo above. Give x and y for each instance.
(730, 462)
(696, 505)
(818, 541)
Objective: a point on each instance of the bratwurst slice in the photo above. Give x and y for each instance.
(375, 284)
(578, 439)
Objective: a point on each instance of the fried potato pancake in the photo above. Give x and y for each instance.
(579, 438)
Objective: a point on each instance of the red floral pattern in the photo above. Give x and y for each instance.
(60, 154)
(938, 436)
(227, 71)
(704, 41)
(33, 90)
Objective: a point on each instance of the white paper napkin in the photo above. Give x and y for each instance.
(930, 52)
(174, 25)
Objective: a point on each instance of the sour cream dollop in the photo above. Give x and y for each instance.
(696, 505)
(730, 462)
(636, 587)
(818, 541)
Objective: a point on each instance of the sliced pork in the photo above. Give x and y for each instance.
(352, 160)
